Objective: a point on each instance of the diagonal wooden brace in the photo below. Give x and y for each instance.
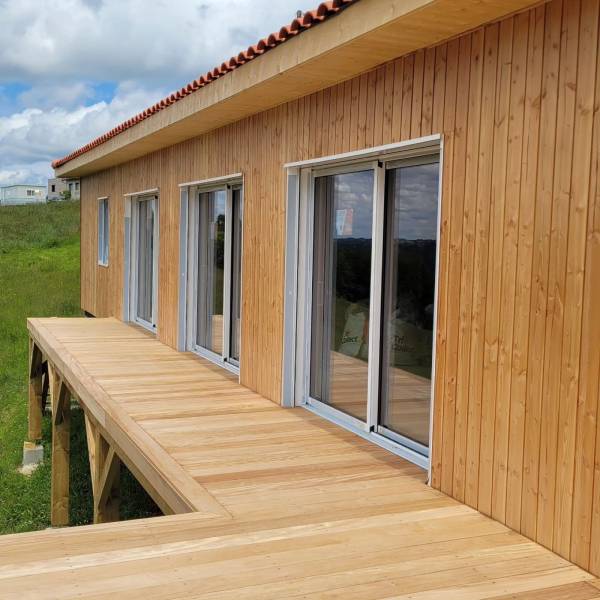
(105, 468)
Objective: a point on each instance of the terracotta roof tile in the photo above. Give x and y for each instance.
(308, 19)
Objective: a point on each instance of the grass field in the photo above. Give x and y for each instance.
(39, 276)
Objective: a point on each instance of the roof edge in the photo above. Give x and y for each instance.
(309, 19)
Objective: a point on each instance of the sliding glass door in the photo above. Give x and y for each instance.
(215, 273)
(145, 260)
(411, 206)
(372, 280)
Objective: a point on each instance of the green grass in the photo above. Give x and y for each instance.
(39, 277)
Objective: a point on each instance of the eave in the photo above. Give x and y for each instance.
(365, 35)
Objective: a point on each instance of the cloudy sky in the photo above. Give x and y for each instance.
(72, 69)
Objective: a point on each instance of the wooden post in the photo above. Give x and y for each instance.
(36, 389)
(105, 468)
(61, 430)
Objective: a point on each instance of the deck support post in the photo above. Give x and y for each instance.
(36, 392)
(61, 430)
(105, 468)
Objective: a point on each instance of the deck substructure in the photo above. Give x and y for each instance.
(278, 503)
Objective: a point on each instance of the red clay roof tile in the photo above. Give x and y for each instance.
(308, 19)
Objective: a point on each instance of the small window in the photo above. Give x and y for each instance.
(103, 231)
(53, 188)
(30, 192)
(77, 186)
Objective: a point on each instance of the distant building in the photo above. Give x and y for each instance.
(73, 185)
(22, 193)
(57, 186)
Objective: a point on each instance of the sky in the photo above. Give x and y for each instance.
(71, 70)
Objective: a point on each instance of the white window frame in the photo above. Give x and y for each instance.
(103, 231)
(188, 294)
(298, 291)
(132, 201)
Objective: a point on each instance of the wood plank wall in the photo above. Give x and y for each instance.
(516, 428)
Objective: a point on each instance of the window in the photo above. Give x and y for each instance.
(53, 188)
(142, 286)
(214, 271)
(31, 192)
(341, 284)
(103, 231)
(366, 289)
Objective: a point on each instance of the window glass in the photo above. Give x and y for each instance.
(408, 302)
(103, 231)
(211, 262)
(145, 259)
(341, 288)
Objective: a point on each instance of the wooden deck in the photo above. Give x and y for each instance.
(279, 502)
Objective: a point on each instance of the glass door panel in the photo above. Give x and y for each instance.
(145, 259)
(211, 261)
(411, 206)
(341, 289)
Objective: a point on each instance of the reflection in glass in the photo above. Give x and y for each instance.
(408, 304)
(211, 260)
(145, 259)
(343, 222)
(236, 272)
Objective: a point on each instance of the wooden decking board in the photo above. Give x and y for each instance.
(306, 509)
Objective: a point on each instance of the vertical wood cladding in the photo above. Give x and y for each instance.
(516, 429)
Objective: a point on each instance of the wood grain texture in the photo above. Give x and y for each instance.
(308, 509)
(516, 429)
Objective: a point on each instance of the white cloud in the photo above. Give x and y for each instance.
(113, 40)
(50, 94)
(59, 52)
(31, 138)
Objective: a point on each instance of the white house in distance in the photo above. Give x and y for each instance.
(58, 185)
(22, 193)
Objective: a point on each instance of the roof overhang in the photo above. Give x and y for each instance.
(363, 36)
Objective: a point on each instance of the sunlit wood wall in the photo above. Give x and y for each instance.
(516, 429)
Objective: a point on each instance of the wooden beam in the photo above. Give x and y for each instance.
(45, 385)
(36, 389)
(61, 429)
(90, 433)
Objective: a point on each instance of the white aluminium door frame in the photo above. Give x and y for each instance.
(190, 194)
(297, 318)
(132, 253)
(374, 311)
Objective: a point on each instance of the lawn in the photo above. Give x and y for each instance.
(39, 276)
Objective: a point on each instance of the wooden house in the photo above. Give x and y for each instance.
(385, 219)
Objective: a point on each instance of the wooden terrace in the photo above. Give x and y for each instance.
(262, 502)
